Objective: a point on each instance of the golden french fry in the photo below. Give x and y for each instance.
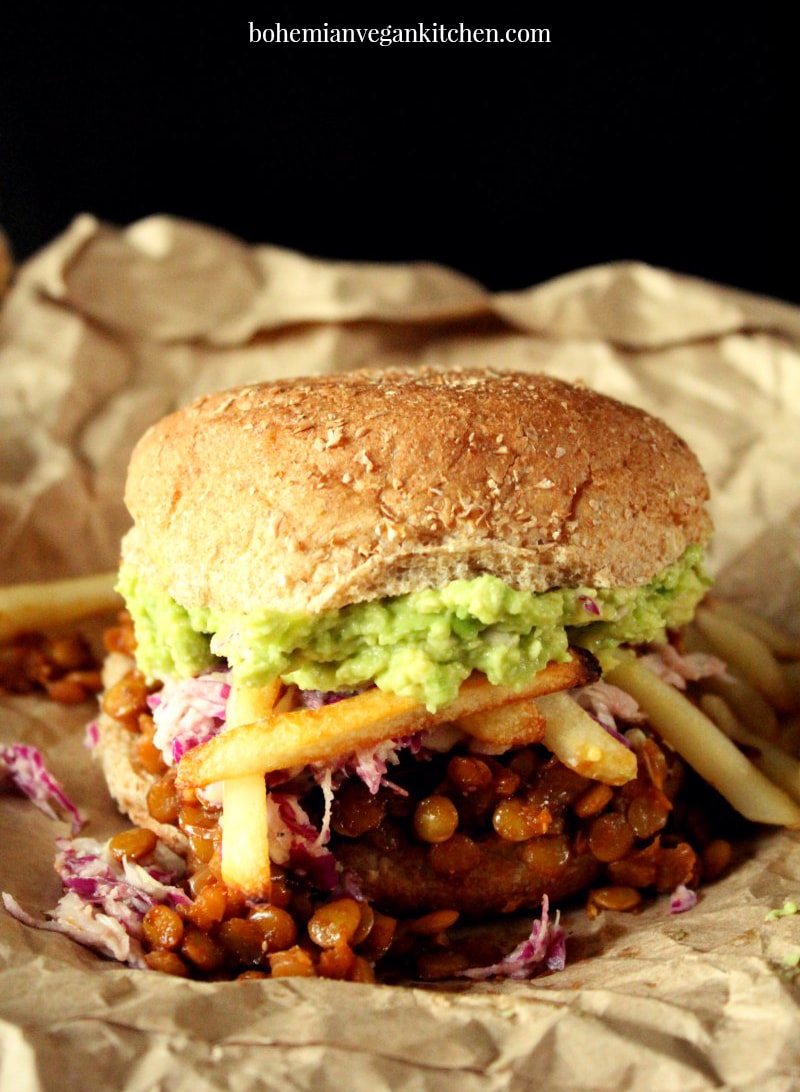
(779, 766)
(708, 750)
(245, 838)
(319, 735)
(746, 655)
(56, 602)
(249, 703)
(780, 642)
(752, 708)
(721, 713)
(300, 737)
(582, 744)
(245, 833)
(287, 701)
(513, 725)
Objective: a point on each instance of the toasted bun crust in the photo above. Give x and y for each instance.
(129, 784)
(315, 493)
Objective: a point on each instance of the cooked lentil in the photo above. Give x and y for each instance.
(64, 667)
(136, 843)
(435, 819)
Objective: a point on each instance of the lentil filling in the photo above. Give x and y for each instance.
(453, 838)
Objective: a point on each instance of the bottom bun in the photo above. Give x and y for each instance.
(129, 783)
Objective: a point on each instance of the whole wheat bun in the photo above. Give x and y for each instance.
(302, 495)
(117, 751)
(129, 783)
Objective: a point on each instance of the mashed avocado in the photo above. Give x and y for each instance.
(422, 645)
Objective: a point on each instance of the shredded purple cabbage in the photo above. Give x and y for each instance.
(26, 768)
(315, 699)
(188, 712)
(105, 900)
(92, 735)
(615, 733)
(83, 923)
(371, 764)
(350, 885)
(679, 668)
(544, 950)
(119, 888)
(294, 840)
(319, 867)
(605, 703)
(682, 899)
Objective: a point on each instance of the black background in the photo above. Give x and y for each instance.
(650, 132)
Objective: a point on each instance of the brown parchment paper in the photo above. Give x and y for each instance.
(104, 331)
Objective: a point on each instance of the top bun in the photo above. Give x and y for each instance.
(302, 495)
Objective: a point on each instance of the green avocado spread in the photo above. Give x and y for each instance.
(422, 645)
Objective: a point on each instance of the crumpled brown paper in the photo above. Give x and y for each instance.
(106, 330)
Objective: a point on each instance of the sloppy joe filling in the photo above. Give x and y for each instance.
(448, 839)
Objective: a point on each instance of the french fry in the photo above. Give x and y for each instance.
(56, 602)
(723, 716)
(249, 703)
(287, 701)
(245, 833)
(773, 761)
(300, 737)
(304, 736)
(513, 725)
(777, 640)
(582, 744)
(747, 655)
(706, 749)
(245, 837)
(694, 641)
(752, 708)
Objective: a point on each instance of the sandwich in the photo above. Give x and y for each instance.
(379, 670)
